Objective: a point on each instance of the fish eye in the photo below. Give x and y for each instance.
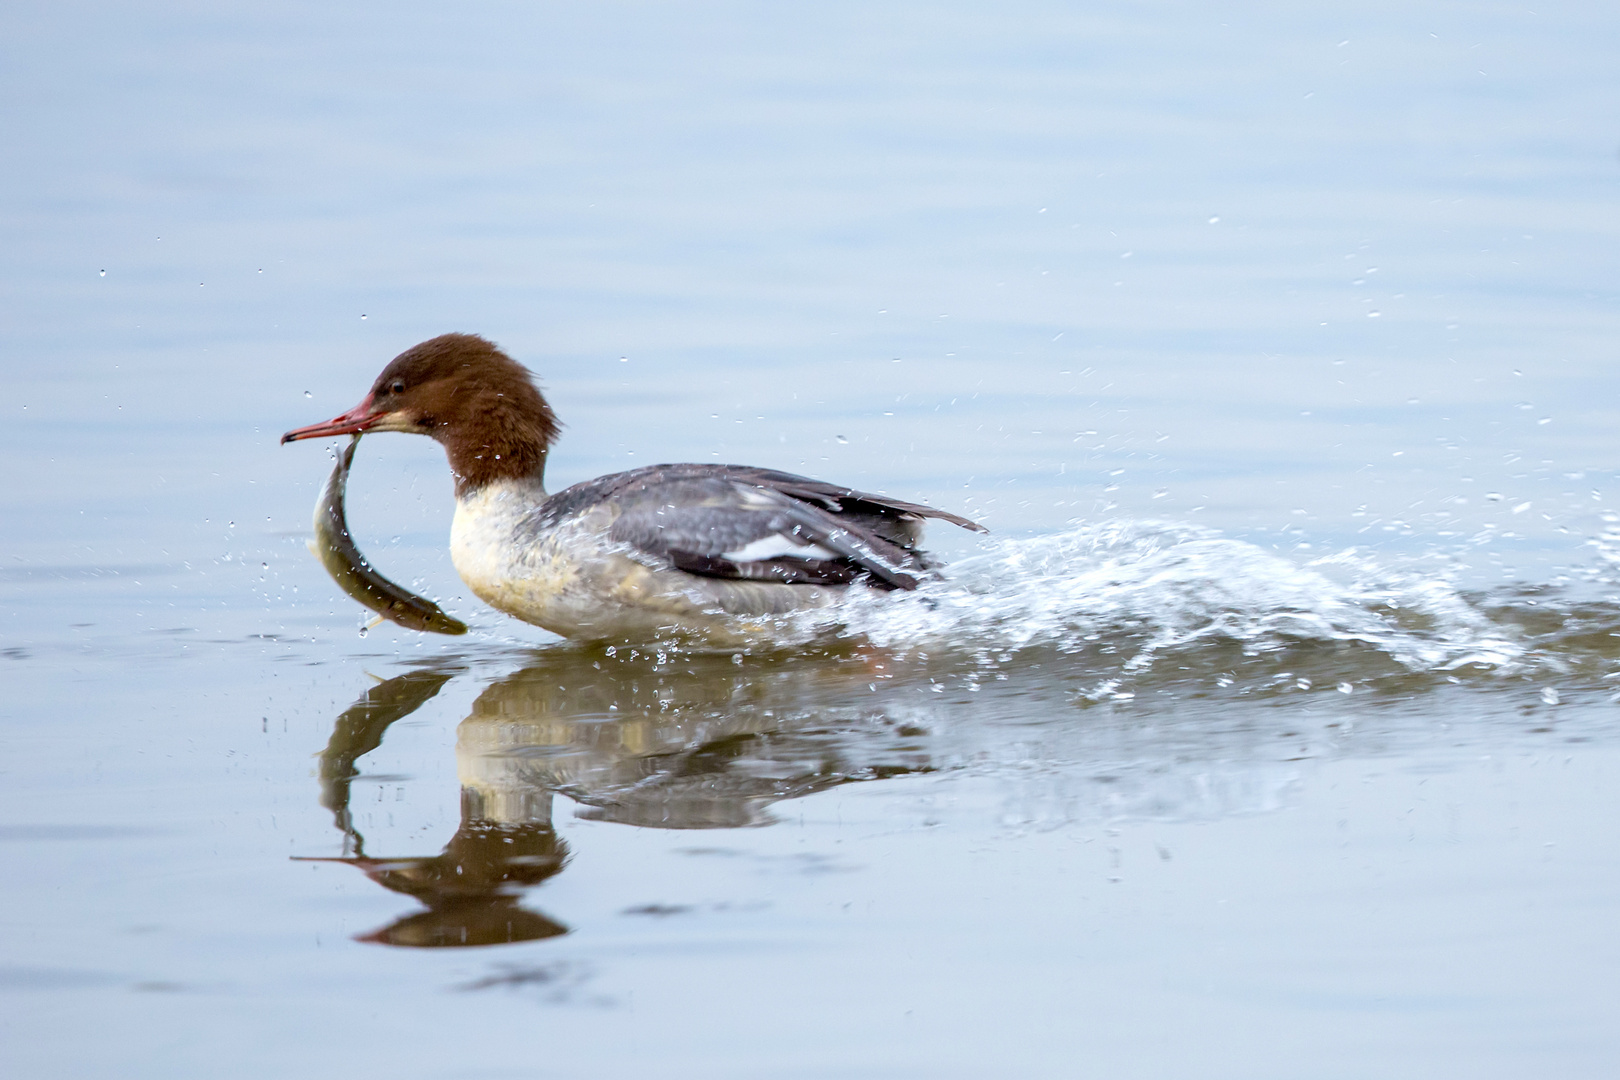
(397, 386)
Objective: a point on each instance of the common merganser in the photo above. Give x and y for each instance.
(709, 553)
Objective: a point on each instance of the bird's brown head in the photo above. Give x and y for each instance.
(462, 390)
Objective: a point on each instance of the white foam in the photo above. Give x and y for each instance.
(1150, 588)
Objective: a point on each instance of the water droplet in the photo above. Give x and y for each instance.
(843, 441)
(104, 273)
(1215, 220)
(231, 525)
(1549, 695)
(624, 359)
(362, 318)
(1545, 420)
(364, 630)
(1303, 684)
(1346, 688)
(1374, 314)
(1493, 496)
(308, 394)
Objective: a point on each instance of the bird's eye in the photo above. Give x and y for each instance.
(397, 386)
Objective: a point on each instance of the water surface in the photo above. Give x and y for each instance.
(1272, 732)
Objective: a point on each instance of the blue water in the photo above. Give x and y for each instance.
(1271, 733)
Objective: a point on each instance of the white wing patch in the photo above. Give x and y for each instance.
(777, 546)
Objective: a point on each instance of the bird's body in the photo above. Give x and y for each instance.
(560, 567)
(711, 553)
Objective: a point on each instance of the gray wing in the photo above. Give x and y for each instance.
(722, 525)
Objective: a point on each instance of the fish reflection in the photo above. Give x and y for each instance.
(359, 730)
(697, 745)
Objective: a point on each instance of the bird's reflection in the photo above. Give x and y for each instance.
(696, 745)
(471, 888)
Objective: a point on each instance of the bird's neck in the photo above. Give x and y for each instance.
(501, 445)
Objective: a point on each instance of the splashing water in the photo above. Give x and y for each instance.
(1142, 591)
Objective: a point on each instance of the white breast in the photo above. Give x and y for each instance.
(483, 536)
